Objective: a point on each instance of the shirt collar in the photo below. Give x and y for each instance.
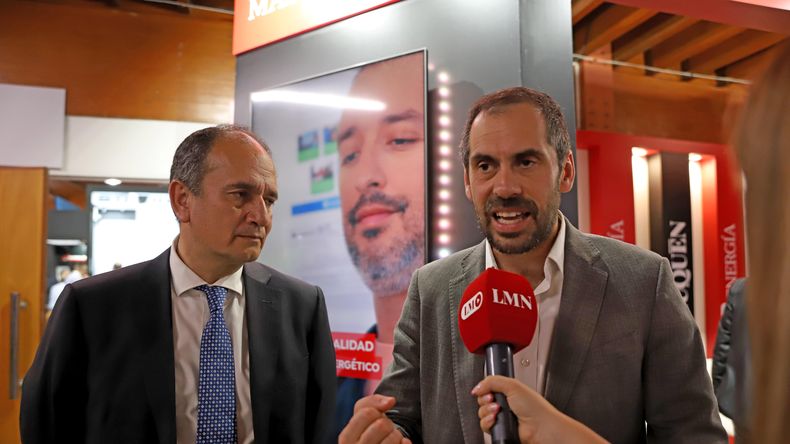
(184, 279)
(555, 258)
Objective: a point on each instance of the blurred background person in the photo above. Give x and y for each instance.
(67, 277)
(731, 376)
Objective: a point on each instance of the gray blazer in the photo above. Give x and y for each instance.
(626, 357)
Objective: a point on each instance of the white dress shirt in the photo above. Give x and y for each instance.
(530, 363)
(190, 315)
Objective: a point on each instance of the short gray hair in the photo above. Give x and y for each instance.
(189, 161)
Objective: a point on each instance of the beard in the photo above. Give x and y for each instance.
(387, 263)
(544, 222)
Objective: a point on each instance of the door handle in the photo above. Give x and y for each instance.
(14, 383)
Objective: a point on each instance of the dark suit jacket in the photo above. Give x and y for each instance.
(626, 357)
(104, 371)
(731, 361)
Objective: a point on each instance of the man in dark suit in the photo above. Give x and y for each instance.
(201, 344)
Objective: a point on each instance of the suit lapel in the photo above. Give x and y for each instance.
(156, 332)
(468, 369)
(582, 296)
(263, 336)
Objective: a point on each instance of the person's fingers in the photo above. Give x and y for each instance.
(377, 431)
(487, 409)
(487, 422)
(395, 437)
(359, 423)
(499, 384)
(379, 402)
(485, 399)
(405, 441)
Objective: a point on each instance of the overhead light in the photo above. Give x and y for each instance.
(444, 252)
(64, 242)
(318, 99)
(694, 157)
(113, 182)
(637, 151)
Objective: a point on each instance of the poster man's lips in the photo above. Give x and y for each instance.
(369, 211)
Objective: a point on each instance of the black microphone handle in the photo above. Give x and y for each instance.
(499, 361)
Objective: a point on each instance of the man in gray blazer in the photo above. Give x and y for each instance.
(616, 348)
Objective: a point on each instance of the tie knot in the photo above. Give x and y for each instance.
(216, 296)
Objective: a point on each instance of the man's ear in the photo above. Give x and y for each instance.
(567, 173)
(467, 187)
(180, 200)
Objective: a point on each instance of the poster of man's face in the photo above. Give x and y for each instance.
(350, 153)
(382, 185)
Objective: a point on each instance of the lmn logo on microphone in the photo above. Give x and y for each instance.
(515, 299)
(502, 297)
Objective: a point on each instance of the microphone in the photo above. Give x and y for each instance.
(497, 317)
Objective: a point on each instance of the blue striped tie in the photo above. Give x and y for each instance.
(217, 387)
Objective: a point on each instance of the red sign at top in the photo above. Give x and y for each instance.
(261, 22)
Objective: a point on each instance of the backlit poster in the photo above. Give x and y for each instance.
(350, 153)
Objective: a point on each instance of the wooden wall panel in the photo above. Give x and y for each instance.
(664, 106)
(22, 228)
(134, 60)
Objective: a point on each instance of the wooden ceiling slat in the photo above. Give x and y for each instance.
(582, 8)
(694, 40)
(752, 66)
(73, 192)
(732, 50)
(603, 28)
(649, 35)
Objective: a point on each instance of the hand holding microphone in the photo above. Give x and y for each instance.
(539, 422)
(498, 316)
